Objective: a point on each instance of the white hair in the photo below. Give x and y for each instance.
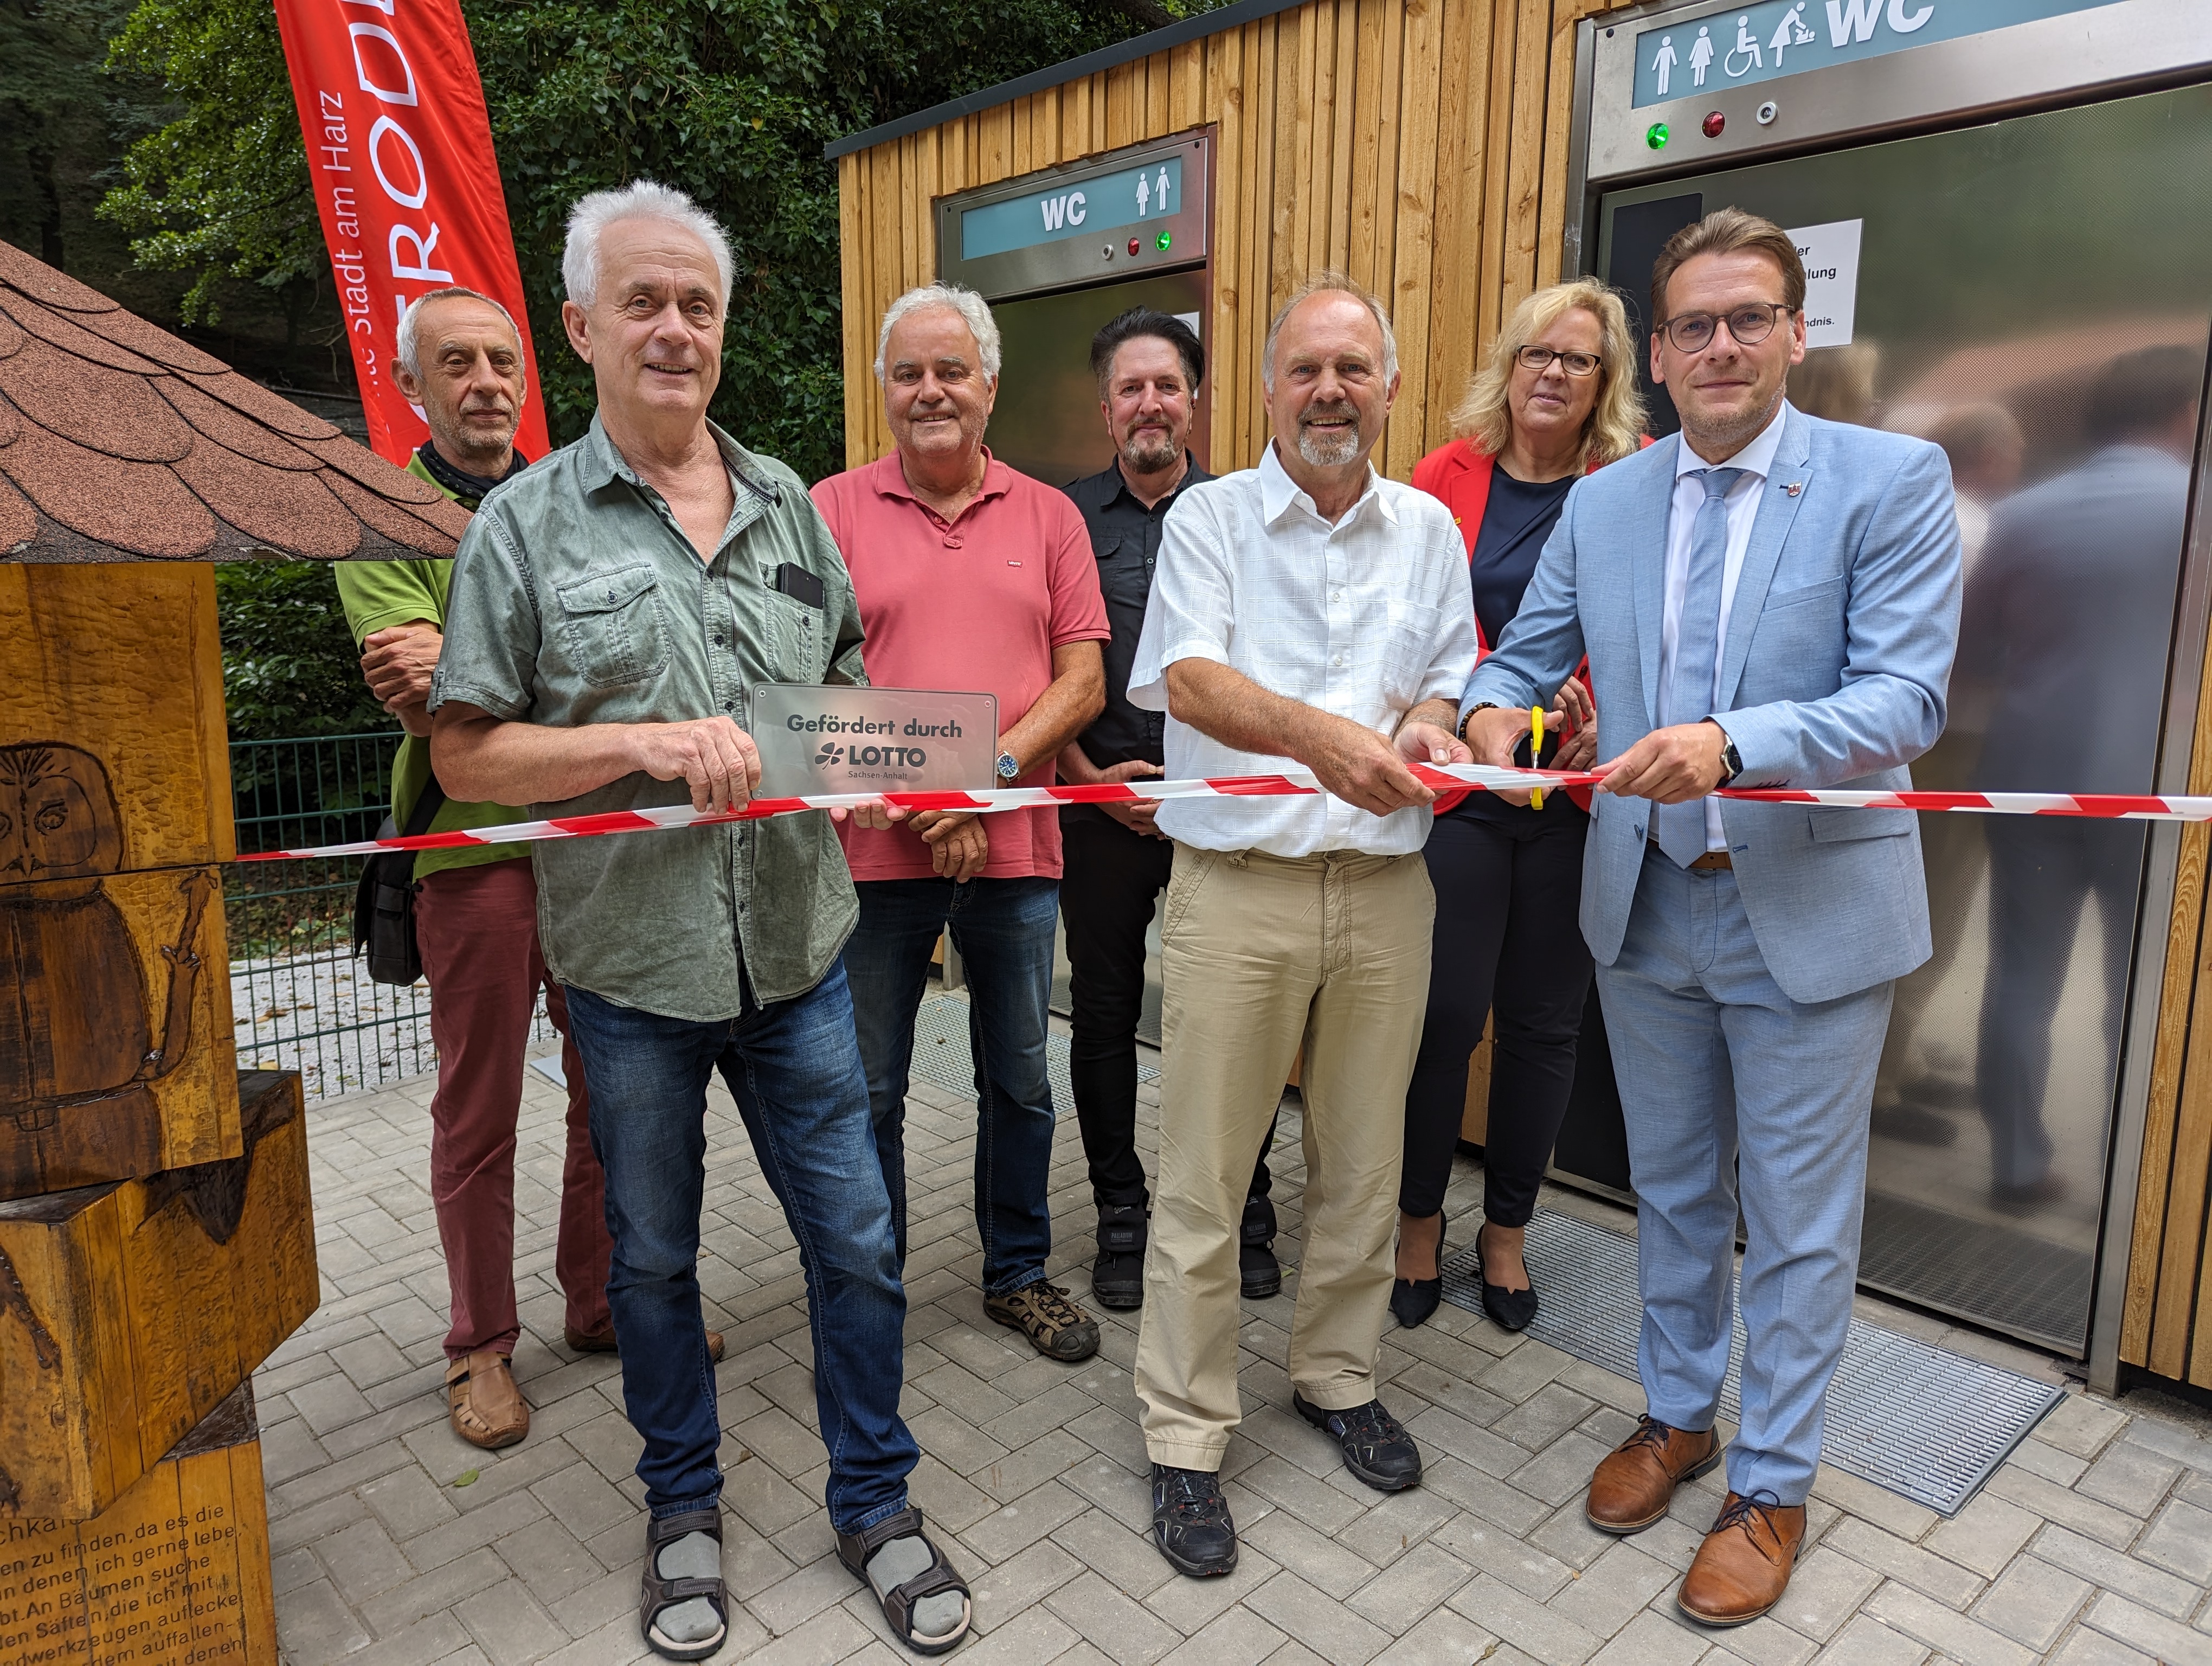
(1328, 284)
(973, 310)
(641, 199)
(410, 323)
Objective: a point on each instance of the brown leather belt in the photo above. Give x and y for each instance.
(1712, 861)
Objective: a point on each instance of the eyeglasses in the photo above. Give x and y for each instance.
(1538, 359)
(1748, 325)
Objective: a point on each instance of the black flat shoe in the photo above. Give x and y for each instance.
(1191, 1524)
(1376, 1447)
(1412, 1300)
(1509, 1309)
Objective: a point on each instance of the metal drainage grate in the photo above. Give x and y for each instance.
(1926, 1424)
(941, 1054)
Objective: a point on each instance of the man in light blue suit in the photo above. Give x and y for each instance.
(1767, 600)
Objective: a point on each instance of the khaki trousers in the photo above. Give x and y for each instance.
(1263, 954)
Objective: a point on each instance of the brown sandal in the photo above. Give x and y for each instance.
(855, 1550)
(656, 1594)
(485, 1407)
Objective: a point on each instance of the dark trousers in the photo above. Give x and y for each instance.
(1003, 931)
(1109, 884)
(1508, 943)
(2042, 873)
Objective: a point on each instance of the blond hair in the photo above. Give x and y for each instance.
(1614, 426)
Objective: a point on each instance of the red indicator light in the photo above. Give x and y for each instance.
(1714, 124)
(1135, 245)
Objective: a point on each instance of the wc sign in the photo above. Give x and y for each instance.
(1064, 211)
(1104, 203)
(1778, 38)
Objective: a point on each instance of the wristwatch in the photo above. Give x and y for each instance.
(1731, 760)
(1009, 767)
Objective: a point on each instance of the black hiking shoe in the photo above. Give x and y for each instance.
(1190, 1521)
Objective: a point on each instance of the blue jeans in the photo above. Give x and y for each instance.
(796, 1077)
(1726, 1085)
(1003, 929)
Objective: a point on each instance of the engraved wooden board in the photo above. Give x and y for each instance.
(123, 663)
(127, 1311)
(116, 1053)
(175, 1573)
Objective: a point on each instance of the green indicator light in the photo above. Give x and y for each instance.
(1656, 136)
(1163, 241)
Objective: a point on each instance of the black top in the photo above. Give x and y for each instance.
(1516, 522)
(1125, 536)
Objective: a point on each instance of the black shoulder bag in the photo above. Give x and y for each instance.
(384, 903)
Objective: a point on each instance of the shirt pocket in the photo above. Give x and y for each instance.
(798, 639)
(1409, 645)
(1122, 580)
(615, 626)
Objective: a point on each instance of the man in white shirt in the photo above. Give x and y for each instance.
(1307, 611)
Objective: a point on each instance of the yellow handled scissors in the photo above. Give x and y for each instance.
(1535, 752)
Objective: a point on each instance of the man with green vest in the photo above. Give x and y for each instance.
(460, 361)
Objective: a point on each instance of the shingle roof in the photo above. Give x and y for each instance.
(119, 441)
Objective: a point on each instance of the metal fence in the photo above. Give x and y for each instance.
(299, 1000)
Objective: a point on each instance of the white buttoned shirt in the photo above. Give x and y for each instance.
(1365, 619)
(1757, 462)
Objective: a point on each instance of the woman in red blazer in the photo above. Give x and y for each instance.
(1556, 399)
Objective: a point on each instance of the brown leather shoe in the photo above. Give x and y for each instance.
(603, 1341)
(1631, 1486)
(486, 1408)
(1743, 1566)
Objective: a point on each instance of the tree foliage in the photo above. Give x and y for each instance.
(289, 667)
(729, 100)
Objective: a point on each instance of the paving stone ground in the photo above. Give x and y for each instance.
(2092, 1546)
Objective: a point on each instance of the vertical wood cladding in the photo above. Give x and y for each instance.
(1420, 145)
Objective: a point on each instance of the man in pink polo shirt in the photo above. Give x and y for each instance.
(971, 577)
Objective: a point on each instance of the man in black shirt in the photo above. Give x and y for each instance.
(1149, 366)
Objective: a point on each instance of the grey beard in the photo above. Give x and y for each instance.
(1330, 454)
(1142, 456)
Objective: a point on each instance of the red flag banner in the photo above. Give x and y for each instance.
(399, 148)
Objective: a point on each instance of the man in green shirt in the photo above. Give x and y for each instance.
(613, 609)
(461, 361)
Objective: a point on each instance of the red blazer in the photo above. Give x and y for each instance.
(1458, 477)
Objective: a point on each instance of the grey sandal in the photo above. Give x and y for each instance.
(855, 1550)
(657, 1595)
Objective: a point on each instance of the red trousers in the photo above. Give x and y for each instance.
(478, 929)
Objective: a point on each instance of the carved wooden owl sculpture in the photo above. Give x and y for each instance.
(77, 1043)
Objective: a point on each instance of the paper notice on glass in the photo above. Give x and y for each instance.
(1831, 254)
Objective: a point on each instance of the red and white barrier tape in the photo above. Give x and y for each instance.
(1483, 776)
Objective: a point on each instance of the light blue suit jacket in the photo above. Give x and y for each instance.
(1834, 674)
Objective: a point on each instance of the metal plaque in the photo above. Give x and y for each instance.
(823, 738)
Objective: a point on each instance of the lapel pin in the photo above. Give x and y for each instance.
(1794, 488)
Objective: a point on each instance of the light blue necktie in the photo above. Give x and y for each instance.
(1681, 827)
